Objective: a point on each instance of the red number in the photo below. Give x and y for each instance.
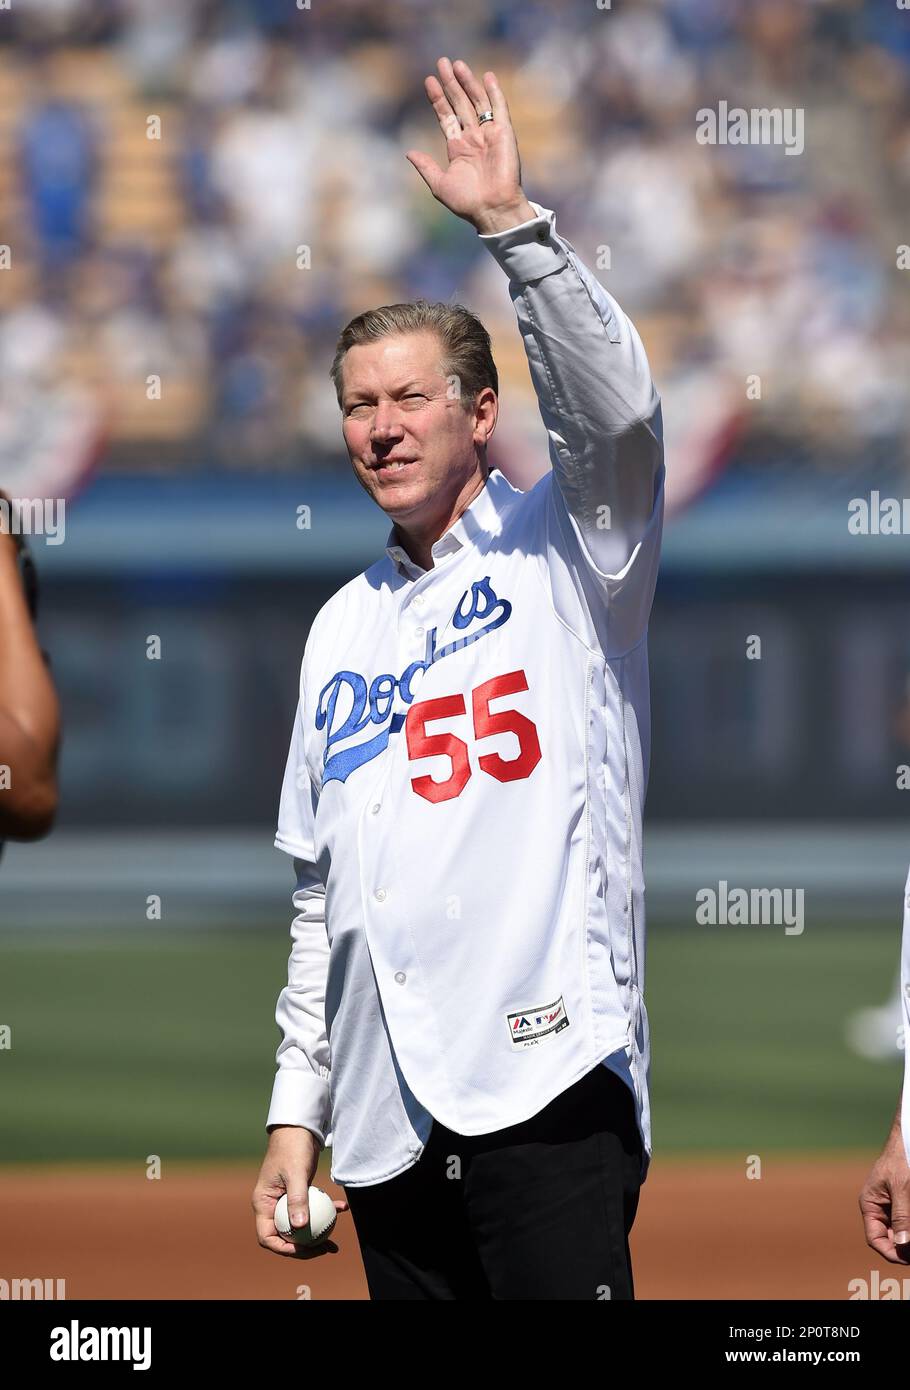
(507, 721)
(422, 745)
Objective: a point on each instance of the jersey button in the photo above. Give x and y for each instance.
(379, 895)
(400, 977)
(375, 807)
(418, 632)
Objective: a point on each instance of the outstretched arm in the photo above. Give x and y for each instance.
(588, 367)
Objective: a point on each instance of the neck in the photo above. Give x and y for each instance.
(418, 540)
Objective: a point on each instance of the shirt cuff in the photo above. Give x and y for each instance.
(530, 250)
(301, 1098)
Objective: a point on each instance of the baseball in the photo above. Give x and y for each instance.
(320, 1225)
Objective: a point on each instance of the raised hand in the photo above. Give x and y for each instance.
(482, 183)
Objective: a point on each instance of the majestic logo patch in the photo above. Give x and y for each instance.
(370, 707)
(528, 1027)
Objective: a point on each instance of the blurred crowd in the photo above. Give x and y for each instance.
(200, 194)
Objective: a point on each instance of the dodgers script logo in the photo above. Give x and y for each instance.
(373, 706)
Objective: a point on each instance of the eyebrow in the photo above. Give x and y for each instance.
(398, 390)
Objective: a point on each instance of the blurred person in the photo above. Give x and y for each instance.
(260, 369)
(206, 272)
(154, 36)
(204, 203)
(226, 67)
(33, 337)
(640, 189)
(457, 993)
(366, 174)
(29, 709)
(57, 21)
(885, 1199)
(58, 164)
(262, 164)
(141, 322)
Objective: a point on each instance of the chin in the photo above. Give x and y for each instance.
(400, 499)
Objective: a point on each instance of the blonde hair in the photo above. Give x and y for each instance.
(465, 343)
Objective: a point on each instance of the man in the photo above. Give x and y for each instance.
(463, 1020)
(885, 1198)
(29, 710)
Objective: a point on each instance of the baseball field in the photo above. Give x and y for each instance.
(153, 1052)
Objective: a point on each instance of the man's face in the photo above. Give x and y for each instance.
(410, 442)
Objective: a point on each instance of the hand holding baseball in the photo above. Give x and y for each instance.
(288, 1169)
(482, 182)
(885, 1202)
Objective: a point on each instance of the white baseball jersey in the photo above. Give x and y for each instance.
(464, 787)
(905, 1006)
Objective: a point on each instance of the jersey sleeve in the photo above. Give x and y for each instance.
(601, 411)
(297, 802)
(300, 1092)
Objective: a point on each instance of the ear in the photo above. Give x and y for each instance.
(486, 413)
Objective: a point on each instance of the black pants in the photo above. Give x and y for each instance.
(541, 1210)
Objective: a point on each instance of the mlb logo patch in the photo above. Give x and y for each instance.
(528, 1027)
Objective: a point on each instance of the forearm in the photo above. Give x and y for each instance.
(895, 1134)
(300, 1093)
(593, 384)
(29, 710)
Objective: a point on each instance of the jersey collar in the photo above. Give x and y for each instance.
(481, 519)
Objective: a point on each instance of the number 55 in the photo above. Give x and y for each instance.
(486, 722)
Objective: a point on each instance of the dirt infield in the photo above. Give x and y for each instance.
(703, 1232)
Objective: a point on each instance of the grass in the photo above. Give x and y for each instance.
(163, 1043)
(747, 1037)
